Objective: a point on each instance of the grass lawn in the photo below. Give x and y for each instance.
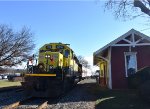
(118, 99)
(6, 83)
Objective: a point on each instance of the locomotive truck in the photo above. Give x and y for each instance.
(54, 73)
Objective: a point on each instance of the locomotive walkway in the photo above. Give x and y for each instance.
(80, 97)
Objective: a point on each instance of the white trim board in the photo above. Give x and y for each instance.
(109, 69)
(133, 45)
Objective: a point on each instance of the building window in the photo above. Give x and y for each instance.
(130, 63)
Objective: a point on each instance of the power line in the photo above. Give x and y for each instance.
(145, 29)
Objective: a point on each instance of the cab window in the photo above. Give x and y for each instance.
(71, 54)
(49, 47)
(66, 53)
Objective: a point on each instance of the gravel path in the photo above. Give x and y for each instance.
(78, 98)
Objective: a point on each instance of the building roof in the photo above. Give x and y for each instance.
(136, 38)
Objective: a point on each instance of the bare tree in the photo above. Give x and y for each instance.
(14, 46)
(83, 61)
(128, 8)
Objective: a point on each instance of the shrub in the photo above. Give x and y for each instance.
(139, 78)
(144, 91)
(141, 81)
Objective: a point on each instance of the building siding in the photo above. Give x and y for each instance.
(143, 56)
(119, 80)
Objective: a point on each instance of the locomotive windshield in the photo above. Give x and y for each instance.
(59, 47)
(49, 47)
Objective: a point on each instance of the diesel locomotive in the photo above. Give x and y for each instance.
(54, 73)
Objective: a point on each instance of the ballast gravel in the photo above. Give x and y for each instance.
(78, 98)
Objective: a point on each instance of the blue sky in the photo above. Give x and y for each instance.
(82, 24)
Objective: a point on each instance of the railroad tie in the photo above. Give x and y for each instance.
(14, 105)
(43, 105)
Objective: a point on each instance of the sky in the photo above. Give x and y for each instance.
(82, 24)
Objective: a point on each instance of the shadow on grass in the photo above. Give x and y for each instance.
(119, 99)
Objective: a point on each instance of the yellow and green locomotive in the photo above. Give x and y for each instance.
(58, 69)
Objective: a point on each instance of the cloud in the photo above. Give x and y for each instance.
(90, 60)
(22, 66)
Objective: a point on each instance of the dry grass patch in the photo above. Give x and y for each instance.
(6, 83)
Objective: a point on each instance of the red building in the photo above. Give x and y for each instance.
(121, 58)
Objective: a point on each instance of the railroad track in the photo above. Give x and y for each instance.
(11, 88)
(28, 102)
(21, 102)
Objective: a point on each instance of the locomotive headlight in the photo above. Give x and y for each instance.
(47, 56)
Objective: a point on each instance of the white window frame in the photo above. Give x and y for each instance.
(126, 54)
